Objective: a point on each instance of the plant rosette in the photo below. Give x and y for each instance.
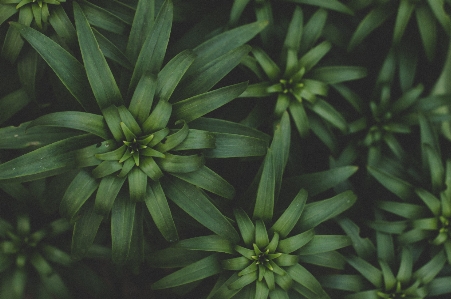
(303, 86)
(376, 266)
(130, 157)
(266, 262)
(21, 250)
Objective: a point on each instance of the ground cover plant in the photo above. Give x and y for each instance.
(225, 149)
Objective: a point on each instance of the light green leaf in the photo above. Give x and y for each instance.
(67, 68)
(294, 32)
(209, 180)
(371, 273)
(405, 11)
(48, 160)
(268, 65)
(312, 30)
(300, 119)
(329, 113)
(137, 184)
(406, 210)
(313, 56)
(194, 202)
(320, 211)
(158, 207)
(245, 225)
(6, 11)
(122, 221)
(199, 270)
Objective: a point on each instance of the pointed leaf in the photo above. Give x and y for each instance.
(67, 68)
(122, 221)
(264, 204)
(290, 217)
(399, 187)
(204, 268)
(207, 243)
(88, 122)
(107, 192)
(199, 105)
(158, 207)
(197, 205)
(324, 243)
(291, 244)
(180, 164)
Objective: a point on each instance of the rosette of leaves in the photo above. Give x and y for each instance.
(385, 270)
(426, 220)
(23, 250)
(140, 149)
(264, 262)
(302, 88)
(385, 120)
(427, 14)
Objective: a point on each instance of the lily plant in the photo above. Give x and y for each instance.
(296, 83)
(133, 146)
(271, 257)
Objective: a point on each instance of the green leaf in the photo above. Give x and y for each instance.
(264, 204)
(222, 43)
(158, 207)
(103, 19)
(328, 4)
(199, 270)
(88, 122)
(78, 192)
(67, 68)
(329, 259)
(432, 202)
(314, 55)
(363, 246)
(243, 281)
(158, 118)
(13, 103)
(172, 73)
(234, 145)
(85, 230)
(48, 160)
(245, 225)
(320, 211)
(337, 74)
(122, 221)
(290, 217)
(329, 113)
(300, 118)
(137, 184)
(111, 51)
(399, 187)
(196, 139)
(427, 272)
(204, 78)
(180, 164)
(346, 282)
(106, 194)
(317, 182)
(106, 168)
(280, 147)
(223, 126)
(294, 32)
(197, 205)
(99, 74)
(291, 244)
(143, 22)
(261, 235)
(374, 19)
(371, 273)
(268, 65)
(406, 210)
(152, 53)
(173, 140)
(237, 263)
(405, 11)
(174, 257)
(207, 243)
(6, 11)
(199, 105)
(324, 243)
(313, 30)
(209, 180)
(305, 278)
(62, 25)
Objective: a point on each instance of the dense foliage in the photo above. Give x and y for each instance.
(225, 149)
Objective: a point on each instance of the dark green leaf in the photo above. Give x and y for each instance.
(122, 221)
(264, 204)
